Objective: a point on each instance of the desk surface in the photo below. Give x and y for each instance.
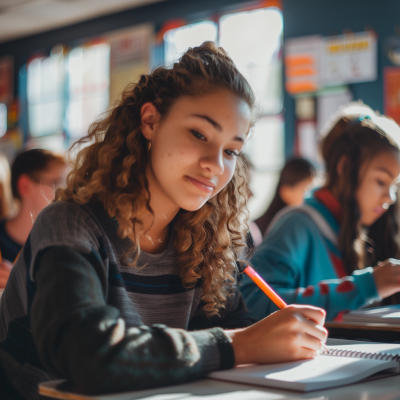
(208, 389)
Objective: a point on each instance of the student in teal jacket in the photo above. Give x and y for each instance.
(321, 253)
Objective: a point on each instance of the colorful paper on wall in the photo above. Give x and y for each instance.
(391, 82)
(6, 79)
(302, 64)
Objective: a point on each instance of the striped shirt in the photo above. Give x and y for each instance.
(71, 310)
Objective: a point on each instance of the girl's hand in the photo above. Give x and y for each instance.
(293, 333)
(5, 269)
(387, 277)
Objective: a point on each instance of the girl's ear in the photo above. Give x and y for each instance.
(340, 165)
(149, 117)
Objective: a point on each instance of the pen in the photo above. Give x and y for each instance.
(252, 274)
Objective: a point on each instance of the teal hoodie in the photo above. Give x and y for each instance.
(295, 260)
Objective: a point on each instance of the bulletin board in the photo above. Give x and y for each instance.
(391, 82)
(129, 57)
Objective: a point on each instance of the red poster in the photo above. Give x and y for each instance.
(6, 79)
(391, 82)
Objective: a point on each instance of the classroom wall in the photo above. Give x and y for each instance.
(301, 18)
(156, 13)
(331, 17)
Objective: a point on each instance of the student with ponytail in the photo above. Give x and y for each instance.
(139, 249)
(322, 253)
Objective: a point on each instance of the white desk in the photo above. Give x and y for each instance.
(208, 389)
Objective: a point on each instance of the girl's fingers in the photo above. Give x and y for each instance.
(307, 354)
(316, 331)
(314, 314)
(311, 343)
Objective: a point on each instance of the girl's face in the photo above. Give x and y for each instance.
(294, 195)
(377, 190)
(194, 147)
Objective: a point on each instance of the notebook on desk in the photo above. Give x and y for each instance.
(381, 315)
(338, 369)
(344, 365)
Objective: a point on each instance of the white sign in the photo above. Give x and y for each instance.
(130, 46)
(328, 104)
(348, 59)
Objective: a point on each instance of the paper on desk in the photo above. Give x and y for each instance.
(238, 395)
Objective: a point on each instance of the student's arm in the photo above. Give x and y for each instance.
(292, 255)
(79, 337)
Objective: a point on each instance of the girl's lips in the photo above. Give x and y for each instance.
(201, 186)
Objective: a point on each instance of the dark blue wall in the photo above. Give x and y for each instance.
(331, 17)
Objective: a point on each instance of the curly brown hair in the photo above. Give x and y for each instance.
(359, 139)
(110, 168)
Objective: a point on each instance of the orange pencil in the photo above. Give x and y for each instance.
(265, 288)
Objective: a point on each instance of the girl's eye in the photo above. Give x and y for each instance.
(197, 135)
(380, 183)
(231, 153)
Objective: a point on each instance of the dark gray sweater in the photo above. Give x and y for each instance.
(71, 310)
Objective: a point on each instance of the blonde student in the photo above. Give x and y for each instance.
(128, 278)
(331, 252)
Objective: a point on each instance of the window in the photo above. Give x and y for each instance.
(253, 39)
(88, 87)
(45, 94)
(178, 40)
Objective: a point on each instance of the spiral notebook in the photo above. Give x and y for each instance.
(343, 365)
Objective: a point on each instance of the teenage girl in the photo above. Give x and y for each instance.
(141, 246)
(295, 179)
(317, 254)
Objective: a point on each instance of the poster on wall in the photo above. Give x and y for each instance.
(348, 58)
(6, 79)
(307, 144)
(302, 64)
(328, 103)
(391, 87)
(129, 57)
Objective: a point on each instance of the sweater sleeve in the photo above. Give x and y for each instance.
(81, 338)
(293, 259)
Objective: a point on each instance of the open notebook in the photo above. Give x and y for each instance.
(344, 365)
(382, 315)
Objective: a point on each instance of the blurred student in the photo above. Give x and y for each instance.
(35, 174)
(141, 247)
(6, 205)
(317, 254)
(295, 179)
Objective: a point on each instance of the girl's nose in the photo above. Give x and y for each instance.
(214, 162)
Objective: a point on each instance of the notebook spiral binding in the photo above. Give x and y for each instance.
(362, 354)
